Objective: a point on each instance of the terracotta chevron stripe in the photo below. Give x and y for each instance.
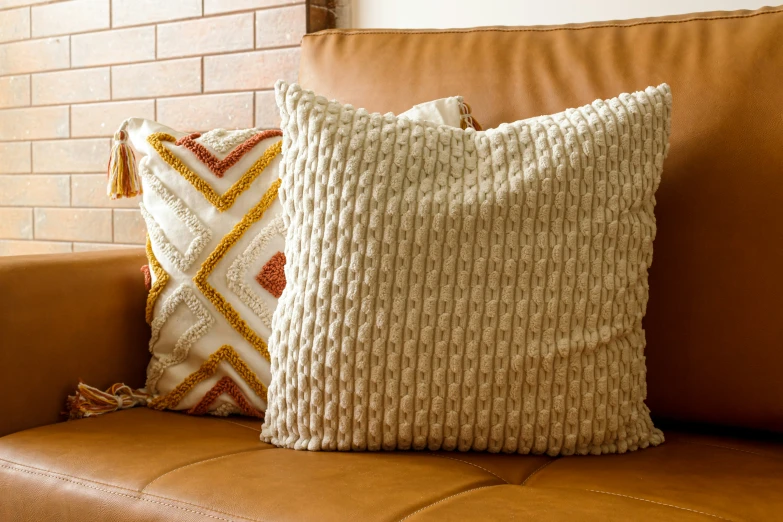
(218, 166)
(207, 370)
(221, 202)
(228, 241)
(228, 386)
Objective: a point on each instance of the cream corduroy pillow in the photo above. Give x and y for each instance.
(466, 290)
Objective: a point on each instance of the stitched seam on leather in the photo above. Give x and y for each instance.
(238, 424)
(533, 30)
(542, 466)
(444, 499)
(469, 464)
(659, 503)
(725, 447)
(143, 490)
(57, 474)
(80, 483)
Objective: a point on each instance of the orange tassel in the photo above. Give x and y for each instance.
(90, 402)
(124, 180)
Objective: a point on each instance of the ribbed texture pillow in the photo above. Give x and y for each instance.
(466, 290)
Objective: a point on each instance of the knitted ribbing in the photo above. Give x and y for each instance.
(466, 290)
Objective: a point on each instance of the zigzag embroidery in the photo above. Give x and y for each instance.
(216, 165)
(183, 294)
(202, 234)
(237, 273)
(228, 386)
(228, 241)
(161, 278)
(220, 202)
(207, 370)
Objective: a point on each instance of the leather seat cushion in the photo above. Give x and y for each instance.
(144, 465)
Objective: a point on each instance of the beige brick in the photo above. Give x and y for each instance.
(228, 111)
(103, 119)
(15, 24)
(248, 71)
(165, 78)
(267, 114)
(211, 35)
(89, 190)
(113, 47)
(137, 12)
(31, 190)
(82, 85)
(279, 27)
(34, 123)
(16, 223)
(23, 248)
(71, 155)
(226, 6)
(92, 247)
(129, 227)
(14, 91)
(14, 158)
(73, 224)
(75, 16)
(34, 55)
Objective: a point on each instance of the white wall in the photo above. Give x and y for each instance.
(414, 14)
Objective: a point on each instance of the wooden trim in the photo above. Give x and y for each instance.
(321, 14)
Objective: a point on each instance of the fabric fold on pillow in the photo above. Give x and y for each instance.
(466, 290)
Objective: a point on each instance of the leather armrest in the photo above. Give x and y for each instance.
(66, 317)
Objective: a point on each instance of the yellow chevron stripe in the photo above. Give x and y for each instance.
(221, 202)
(228, 241)
(161, 278)
(207, 370)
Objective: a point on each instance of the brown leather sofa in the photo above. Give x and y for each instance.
(714, 323)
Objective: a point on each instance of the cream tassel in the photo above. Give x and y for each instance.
(124, 180)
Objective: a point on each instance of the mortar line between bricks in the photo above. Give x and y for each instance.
(174, 20)
(147, 24)
(148, 62)
(129, 100)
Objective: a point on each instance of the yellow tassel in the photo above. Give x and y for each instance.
(124, 180)
(90, 402)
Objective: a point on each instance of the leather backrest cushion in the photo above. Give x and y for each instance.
(715, 316)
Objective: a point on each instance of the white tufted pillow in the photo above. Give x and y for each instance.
(466, 290)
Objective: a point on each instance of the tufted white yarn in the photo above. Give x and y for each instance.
(186, 295)
(237, 275)
(201, 234)
(466, 290)
(222, 140)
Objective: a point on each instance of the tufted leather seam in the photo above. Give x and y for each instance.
(79, 482)
(659, 503)
(469, 464)
(542, 30)
(542, 466)
(444, 499)
(143, 490)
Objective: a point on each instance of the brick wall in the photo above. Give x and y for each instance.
(71, 71)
